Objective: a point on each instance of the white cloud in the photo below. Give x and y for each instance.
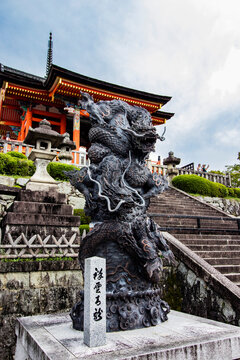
(187, 49)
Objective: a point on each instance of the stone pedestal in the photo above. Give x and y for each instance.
(182, 337)
(41, 180)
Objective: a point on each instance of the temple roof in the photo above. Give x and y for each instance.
(62, 83)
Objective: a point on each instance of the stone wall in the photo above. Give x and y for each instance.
(34, 287)
(197, 288)
(42, 287)
(202, 299)
(230, 206)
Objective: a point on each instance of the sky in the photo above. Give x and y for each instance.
(188, 49)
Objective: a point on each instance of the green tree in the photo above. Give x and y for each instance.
(234, 171)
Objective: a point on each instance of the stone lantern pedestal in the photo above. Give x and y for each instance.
(41, 180)
(171, 161)
(66, 147)
(44, 138)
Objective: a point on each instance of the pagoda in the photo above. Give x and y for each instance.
(26, 99)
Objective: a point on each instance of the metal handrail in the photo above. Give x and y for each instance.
(198, 219)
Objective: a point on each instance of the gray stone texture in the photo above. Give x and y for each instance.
(43, 213)
(8, 181)
(95, 301)
(33, 287)
(182, 337)
(230, 206)
(73, 196)
(205, 291)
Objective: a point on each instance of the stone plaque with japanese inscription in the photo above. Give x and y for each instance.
(95, 301)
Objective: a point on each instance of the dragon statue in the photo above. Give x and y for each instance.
(117, 187)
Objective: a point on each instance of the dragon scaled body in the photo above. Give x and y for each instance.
(117, 187)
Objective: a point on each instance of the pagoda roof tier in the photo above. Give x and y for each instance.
(62, 84)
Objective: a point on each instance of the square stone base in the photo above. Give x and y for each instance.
(41, 186)
(182, 337)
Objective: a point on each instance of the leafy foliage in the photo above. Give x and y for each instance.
(218, 172)
(237, 192)
(83, 227)
(194, 184)
(14, 165)
(234, 171)
(197, 185)
(84, 219)
(17, 154)
(56, 170)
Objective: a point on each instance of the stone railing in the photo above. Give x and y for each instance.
(162, 169)
(221, 179)
(79, 156)
(12, 145)
(154, 167)
(39, 247)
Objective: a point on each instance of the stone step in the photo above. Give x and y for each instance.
(189, 242)
(42, 196)
(190, 231)
(203, 222)
(41, 219)
(218, 254)
(226, 269)
(222, 260)
(41, 208)
(234, 277)
(174, 205)
(208, 236)
(211, 247)
(178, 211)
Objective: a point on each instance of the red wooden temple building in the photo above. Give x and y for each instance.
(26, 99)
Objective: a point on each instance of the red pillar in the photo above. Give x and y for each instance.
(27, 122)
(63, 125)
(76, 128)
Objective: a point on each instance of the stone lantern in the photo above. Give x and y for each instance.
(44, 139)
(66, 147)
(171, 161)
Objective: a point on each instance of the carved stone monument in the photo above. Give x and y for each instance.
(118, 187)
(171, 161)
(66, 147)
(44, 139)
(95, 301)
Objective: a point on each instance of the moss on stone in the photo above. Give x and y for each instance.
(172, 291)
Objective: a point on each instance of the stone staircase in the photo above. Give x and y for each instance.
(210, 233)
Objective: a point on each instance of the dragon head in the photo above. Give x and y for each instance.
(143, 133)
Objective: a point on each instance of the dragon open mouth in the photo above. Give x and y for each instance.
(144, 141)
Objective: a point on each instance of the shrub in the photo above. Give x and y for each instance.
(31, 168)
(17, 154)
(237, 192)
(197, 185)
(84, 218)
(192, 184)
(83, 227)
(231, 192)
(2, 163)
(219, 190)
(11, 165)
(56, 170)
